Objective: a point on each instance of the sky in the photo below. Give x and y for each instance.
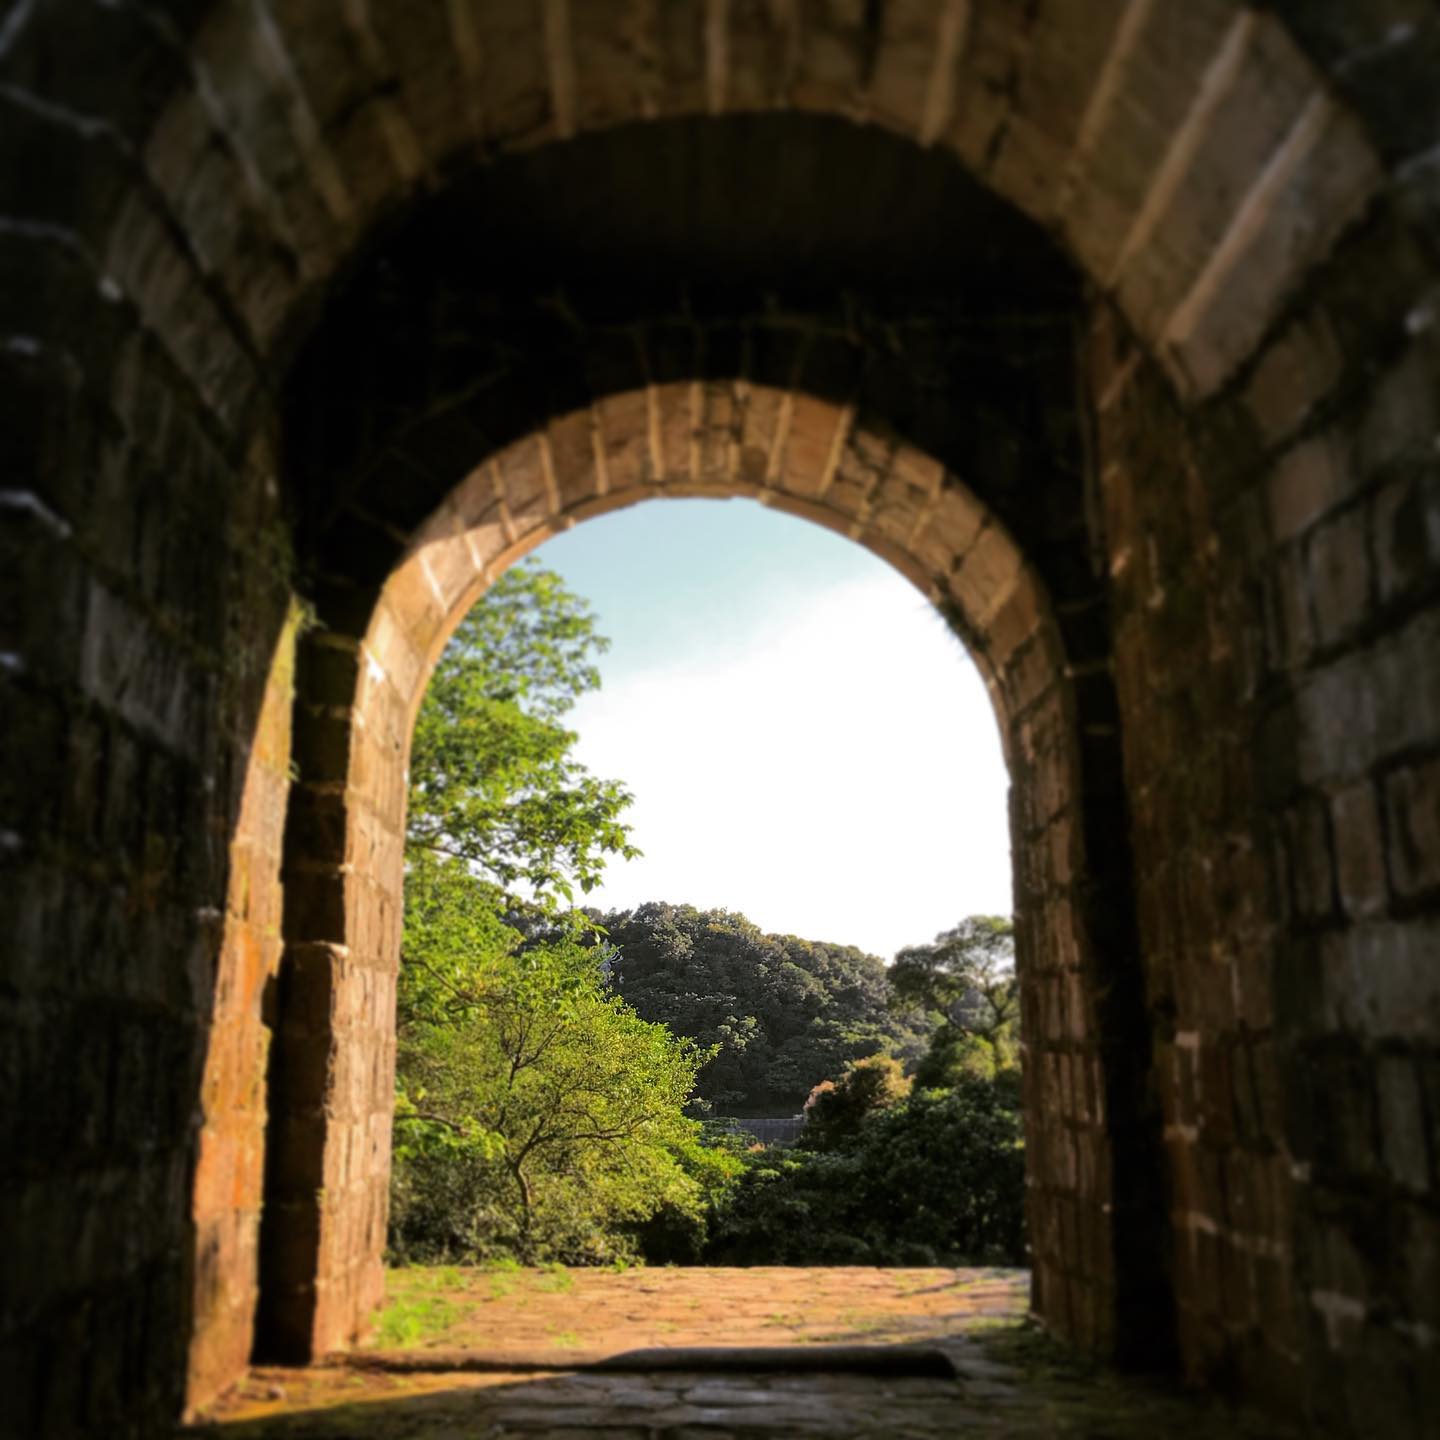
(806, 741)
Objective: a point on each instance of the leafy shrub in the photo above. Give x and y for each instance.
(837, 1109)
(938, 1178)
(540, 1118)
(678, 1231)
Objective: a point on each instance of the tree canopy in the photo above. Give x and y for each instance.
(966, 974)
(782, 1013)
(537, 1114)
(543, 1121)
(493, 782)
(965, 978)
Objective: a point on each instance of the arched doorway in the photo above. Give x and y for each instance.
(1251, 440)
(986, 372)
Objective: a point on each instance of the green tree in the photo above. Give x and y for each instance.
(543, 1120)
(967, 974)
(537, 1113)
(783, 1012)
(837, 1109)
(966, 979)
(493, 781)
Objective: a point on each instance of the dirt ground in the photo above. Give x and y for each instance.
(496, 1353)
(561, 1315)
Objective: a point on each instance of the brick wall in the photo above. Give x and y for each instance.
(182, 185)
(228, 1185)
(138, 641)
(800, 404)
(1274, 566)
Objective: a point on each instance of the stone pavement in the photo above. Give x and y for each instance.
(465, 1355)
(568, 1315)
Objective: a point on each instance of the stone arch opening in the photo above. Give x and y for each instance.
(1238, 184)
(852, 383)
(356, 701)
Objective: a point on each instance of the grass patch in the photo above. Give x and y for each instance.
(500, 1276)
(554, 1279)
(407, 1280)
(408, 1321)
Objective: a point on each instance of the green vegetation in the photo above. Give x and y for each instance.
(414, 1319)
(537, 1116)
(896, 1170)
(837, 1110)
(937, 1178)
(779, 1012)
(965, 979)
(555, 1065)
(542, 1120)
(493, 782)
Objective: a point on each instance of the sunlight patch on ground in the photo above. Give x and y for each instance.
(526, 1312)
(1001, 1375)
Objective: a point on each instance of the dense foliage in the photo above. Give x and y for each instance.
(544, 1120)
(537, 1114)
(493, 783)
(780, 1012)
(892, 1170)
(936, 1179)
(965, 980)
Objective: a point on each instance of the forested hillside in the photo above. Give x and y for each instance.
(785, 1013)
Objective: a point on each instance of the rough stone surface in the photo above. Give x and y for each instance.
(1001, 1376)
(1294, 1015)
(281, 281)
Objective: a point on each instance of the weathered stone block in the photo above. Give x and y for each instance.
(1338, 570)
(1403, 1139)
(1359, 851)
(1412, 800)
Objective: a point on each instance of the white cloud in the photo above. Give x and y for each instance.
(837, 775)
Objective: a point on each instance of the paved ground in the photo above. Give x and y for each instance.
(566, 1314)
(460, 1353)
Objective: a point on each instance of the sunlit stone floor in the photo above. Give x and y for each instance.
(482, 1353)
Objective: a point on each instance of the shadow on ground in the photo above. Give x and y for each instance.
(1012, 1382)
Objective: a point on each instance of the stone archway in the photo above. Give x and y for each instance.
(1251, 200)
(356, 704)
(982, 370)
(853, 392)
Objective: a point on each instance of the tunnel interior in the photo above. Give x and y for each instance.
(1113, 331)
